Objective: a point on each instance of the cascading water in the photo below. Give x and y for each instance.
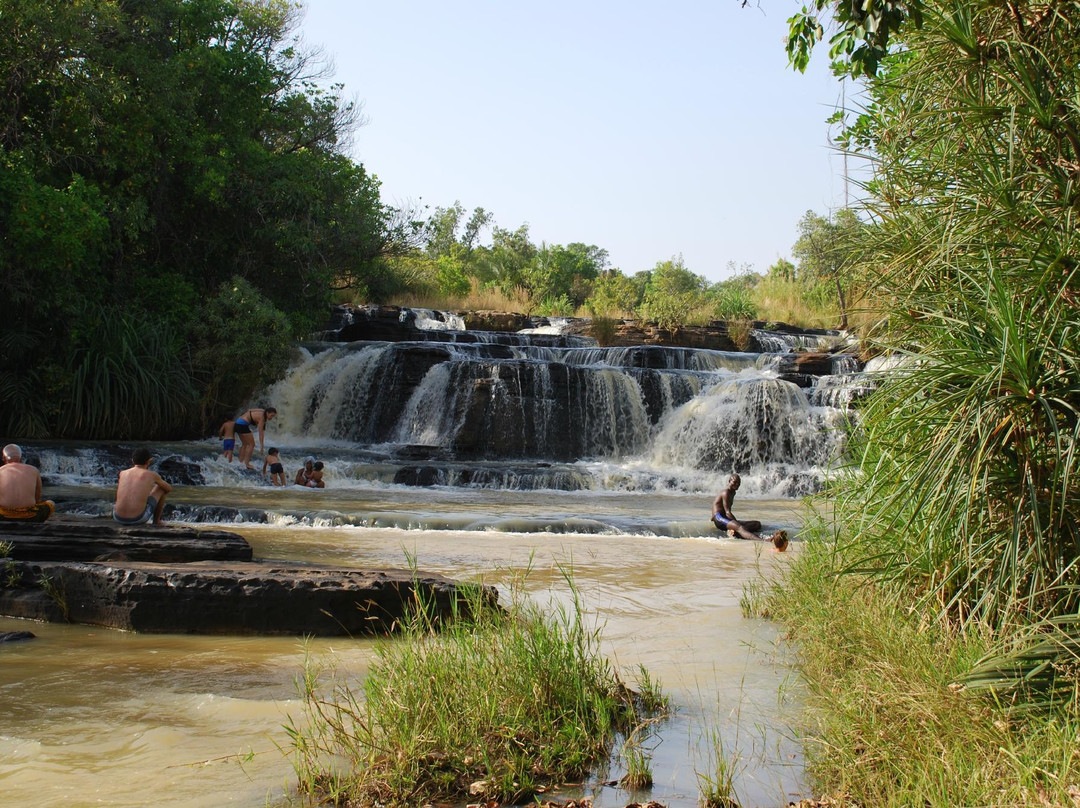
(508, 412)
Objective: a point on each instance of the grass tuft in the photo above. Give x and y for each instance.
(492, 706)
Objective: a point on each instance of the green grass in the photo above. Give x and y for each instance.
(888, 721)
(491, 706)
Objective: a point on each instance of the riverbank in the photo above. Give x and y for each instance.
(886, 722)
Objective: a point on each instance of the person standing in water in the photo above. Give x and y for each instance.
(228, 439)
(724, 519)
(252, 418)
(272, 462)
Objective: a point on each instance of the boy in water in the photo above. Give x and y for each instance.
(724, 519)
(140, 493)
(315, 479)
(228, 438)
(277, 470)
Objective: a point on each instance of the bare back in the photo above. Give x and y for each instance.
(20, 485)
(135, 485)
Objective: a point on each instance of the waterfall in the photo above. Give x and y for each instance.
(536, 411)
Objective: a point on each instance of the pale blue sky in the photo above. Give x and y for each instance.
(647, 129)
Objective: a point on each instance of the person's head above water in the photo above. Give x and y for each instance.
(12, 453)
(734, 481)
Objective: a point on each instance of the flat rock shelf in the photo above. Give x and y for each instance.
(179, 579)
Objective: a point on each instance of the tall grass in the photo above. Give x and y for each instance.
(127, 378)
(886, 721)
(493, 705)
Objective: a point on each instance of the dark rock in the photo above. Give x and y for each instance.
(816, 364)
(803, 380)
(74, 539)
(209, 597)
(15, 636)
(496, 321)
(177, 471)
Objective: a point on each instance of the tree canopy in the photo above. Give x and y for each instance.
(151, 154)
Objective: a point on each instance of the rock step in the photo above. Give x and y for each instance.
(81, 539)
(211, 597)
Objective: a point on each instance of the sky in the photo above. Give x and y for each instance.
(651, 130)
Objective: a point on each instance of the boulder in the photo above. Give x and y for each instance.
(15, 636)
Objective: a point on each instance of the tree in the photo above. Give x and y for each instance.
(828, 251)
(975, 132)
(149, 152)
(672, 293)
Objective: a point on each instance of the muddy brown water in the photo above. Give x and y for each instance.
(91, 716)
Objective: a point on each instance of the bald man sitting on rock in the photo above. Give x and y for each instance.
(20, 490)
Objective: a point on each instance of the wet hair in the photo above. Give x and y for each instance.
(780, 540)
(140, 456)
(272, 450)
(318, 465)
(12, 453)
(270, 410)
(734, 478)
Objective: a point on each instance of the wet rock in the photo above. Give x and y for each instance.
(15, 636)
(74, 539)
(179, 579)
(210, 597)
(177, 471)
(496, 321)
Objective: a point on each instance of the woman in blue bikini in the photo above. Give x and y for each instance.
(256, 418)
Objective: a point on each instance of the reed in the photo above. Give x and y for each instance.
(492, 705)
(716, 785)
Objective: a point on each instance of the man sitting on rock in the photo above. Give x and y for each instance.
(20, 490)
(140, 493)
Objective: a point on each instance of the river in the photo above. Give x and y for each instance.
(91, 716)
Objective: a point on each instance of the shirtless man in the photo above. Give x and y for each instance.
(140, 493)
(20, 489)
(724, 519)
(242, 427)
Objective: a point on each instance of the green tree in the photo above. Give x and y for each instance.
(672, 293)
(828, 251)
(149, 152)
(968, 492)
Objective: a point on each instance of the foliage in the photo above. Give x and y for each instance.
(150, 152)
(965, 494)
(242, 343)
(733, 303)
(614, 294)
(672, 292)
(827, 251)
(128, 377)
(885, 721)
(862, 38)
(493, 705)
(972, 448)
